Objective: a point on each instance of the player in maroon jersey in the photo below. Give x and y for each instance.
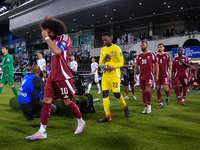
(60, 81)
(180, 75)
(146, 60)
(163, 62)
(192, 76)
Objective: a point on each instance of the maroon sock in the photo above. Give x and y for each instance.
(167, 93)
(46, 110)
(75, 110)
(159, 96)
(149, 97)
(189, 84)
(144, 97)
(184, 92)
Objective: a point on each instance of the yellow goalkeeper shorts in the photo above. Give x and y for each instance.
(111, 82)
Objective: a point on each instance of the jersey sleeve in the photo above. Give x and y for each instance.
(96, 65)
(44, 62)
(120, 58)
(154, 58)
(168, 58)
(137, 60)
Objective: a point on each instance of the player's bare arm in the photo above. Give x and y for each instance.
(53, 47)
(170, 69)
(94, 71)
(156, 72)
(135, 73)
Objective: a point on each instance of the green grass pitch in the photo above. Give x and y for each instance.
(172, 128)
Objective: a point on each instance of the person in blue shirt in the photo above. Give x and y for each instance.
(30, 94)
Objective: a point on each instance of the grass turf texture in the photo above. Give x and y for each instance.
(173, 127)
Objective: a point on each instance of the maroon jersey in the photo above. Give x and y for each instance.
(191, 71)
(146, 62)
(180, 70)
(59, 64)
(163, 61)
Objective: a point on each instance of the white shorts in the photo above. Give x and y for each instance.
(96, 78)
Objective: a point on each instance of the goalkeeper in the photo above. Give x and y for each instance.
(7, 77)
(111, 56)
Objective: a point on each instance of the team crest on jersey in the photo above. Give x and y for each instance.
(114, 55)
(111, 52)
(121, 54)
(164, 57)
(148, 57)
(8, 59)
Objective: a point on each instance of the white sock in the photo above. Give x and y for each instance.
(167, 97)
(129, 87)
(161, 103)
(80, 121)
(183, 100)
(149, 106)
(89, 87)
(42, 128)
(98, 85)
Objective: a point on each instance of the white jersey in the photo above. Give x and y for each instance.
(93, 67)
(41, 62)
(73, 64)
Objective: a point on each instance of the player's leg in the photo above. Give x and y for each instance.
(144, 95)
(165, 83)
(132, 82)
(106, 101)
(148, 86)
(158, 87)
(10, 81)
(126, 87)
(2, 83)
(76, 112)
(97, 83)
(191, 83)
(177, 89)
(89, 87)
(184, 83)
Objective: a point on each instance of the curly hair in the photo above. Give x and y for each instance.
(57, 26)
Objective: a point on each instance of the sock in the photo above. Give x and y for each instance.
(75, 110)
(122, 101)
(184, 92)
(98, 85)
(15, 91)
(183, 100)
(1, 89)
(192, 83)
(106, 105)
(149, 97)
(161, 103)
(159, 96)
(149, 106)
(80, 121)
(89, 87)
(167, 93)
(129, 87)
(45, 113)
(144, 98)
(42, 128)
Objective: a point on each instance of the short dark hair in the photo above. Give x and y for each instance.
(106, 33)
(7, 48)
(145, 42)
(92, 57)
(161, 44)
(57, 26)
(179, 48)
(41, 53)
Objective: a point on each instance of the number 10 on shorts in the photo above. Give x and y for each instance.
(64, 91)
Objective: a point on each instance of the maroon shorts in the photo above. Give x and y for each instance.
(59, 89)
(162, 81)
(145, 83)
(178, 80)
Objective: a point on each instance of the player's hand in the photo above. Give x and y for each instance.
(107, 57)
(170, 75)
(181, 61)
(44, 34)
(135, 79)
(109, 68)
(126, 65)
(155, 78)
